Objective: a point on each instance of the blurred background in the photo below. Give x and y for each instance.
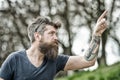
(78, 19)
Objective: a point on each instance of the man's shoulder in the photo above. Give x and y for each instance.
(11, 58)
(17, 53)
(62, 57)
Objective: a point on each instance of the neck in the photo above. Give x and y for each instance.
(34, 52)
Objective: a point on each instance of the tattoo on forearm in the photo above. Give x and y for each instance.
(92, 51)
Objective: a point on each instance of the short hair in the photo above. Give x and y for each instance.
(39, 25)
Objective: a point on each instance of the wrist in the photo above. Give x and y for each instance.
(96, 38)
(97, 34)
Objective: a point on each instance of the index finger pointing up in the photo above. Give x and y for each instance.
(103, 15)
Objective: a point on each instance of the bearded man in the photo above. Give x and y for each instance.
(41, 61)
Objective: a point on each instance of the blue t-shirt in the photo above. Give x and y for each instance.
(18, 67)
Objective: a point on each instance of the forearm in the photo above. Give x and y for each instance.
(92, 51)
(80, 62)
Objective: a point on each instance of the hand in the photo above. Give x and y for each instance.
(101, 25)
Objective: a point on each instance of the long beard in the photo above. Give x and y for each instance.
(49, 50)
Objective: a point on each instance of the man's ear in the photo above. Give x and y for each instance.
(37, 36)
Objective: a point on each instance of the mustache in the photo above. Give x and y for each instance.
(56, 42)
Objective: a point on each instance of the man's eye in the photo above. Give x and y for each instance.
(51, 33)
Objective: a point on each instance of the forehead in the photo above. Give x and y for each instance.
(50, 28)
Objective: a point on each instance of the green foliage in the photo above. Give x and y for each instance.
(106, 73)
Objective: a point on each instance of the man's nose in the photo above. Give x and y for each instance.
(55, 37)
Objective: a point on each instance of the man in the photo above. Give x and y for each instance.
(40, 61)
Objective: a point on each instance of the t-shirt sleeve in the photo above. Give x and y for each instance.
(7, 68)
(61, 62)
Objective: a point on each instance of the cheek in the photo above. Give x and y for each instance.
(42, 39)
(45, 39)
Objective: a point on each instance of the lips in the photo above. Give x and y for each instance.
(56, 43)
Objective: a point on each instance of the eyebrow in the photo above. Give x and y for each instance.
(52, 32)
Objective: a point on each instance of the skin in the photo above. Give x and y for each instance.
(74, 62)
(79, 62)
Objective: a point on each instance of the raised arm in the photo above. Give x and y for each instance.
(79, 62)
(100, 27)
